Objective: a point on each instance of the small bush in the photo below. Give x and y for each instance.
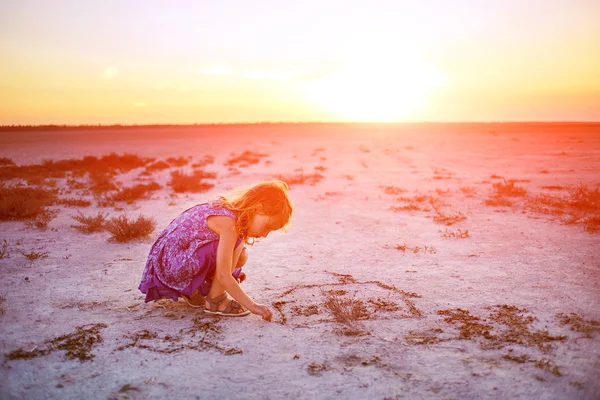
(90, 224)
(346, 312)
(553, 187)
(21, 203)
(181, 182)
(583, 199)
(102, 182)
(498, 202)
(4, 250)
(247, 158)
(509, 189)
(36, 173)
(42, 219)
(137, 192)
(4, 161)
(592, 224)
(34, 255)
(203, 162)
(301, 179)
(458, 234)
(74, 202)
(581, 205)
(124, 230)
(447, 219)
(468, 191)
(392, 190)
(157, 166)
(178, 162)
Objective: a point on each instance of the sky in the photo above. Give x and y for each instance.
(226, 61)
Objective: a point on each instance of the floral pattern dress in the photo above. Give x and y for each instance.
(183, 258)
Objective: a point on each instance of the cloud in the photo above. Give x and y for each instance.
(139, 104)
(110, 72)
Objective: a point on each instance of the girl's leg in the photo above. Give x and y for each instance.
(240, 256)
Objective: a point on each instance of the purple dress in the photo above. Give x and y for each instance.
(184, 257)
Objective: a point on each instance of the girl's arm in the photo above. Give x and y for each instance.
(225, 228)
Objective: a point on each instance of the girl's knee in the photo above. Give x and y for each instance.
(243, 258)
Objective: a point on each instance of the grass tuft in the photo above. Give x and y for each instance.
(182, 182)
(5, 161)
(131, 194)
(509, 189)
(90, 224)
(4, 250)
(581, 205)
(34, 255)
(21, 203)
(346, 311)
(123, 229)
(74, 202)
(42, 219)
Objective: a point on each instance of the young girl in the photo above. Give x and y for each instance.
(195, 256)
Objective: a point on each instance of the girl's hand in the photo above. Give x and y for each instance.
(241, 277)
(263, 311)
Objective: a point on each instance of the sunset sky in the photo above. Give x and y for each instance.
(205, 61)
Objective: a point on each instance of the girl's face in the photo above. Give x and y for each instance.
(262, 225)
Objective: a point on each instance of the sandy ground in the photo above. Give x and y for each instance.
(518, 272)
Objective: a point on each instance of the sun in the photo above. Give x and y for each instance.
(379, 87)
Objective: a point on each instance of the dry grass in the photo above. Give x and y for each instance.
(42, 219)
(4, 250)
(182, 182)
(316, 368)
(131, 194)
(90, 224)
(577, 324)
(203, 162)
(22, 203)
(448, 219)
(416, 203)
(553, 187)
(70, 202)
(5, 161)
(123, 229)
(514, 329)
(347, 312)
(581, 205)
(77, 345)
(498, 202)
(102, 182)
(157, 166)
(393, 190)
(245, 159)
(36, 173)
(178, 162)
(34, 255)
(301, 179)
(470, 325)
(468, 191)
(415, 249)
(508, 189)
(458, 234)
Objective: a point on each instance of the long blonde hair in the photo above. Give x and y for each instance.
(267, 197)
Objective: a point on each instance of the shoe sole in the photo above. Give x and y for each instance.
(190, 304)
(222, 314)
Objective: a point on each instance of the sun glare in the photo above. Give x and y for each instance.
(379, 87)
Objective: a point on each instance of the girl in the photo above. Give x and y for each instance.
(195, 256)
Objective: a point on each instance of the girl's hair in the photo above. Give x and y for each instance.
(266, 197)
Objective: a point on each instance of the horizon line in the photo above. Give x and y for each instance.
(141, 125)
